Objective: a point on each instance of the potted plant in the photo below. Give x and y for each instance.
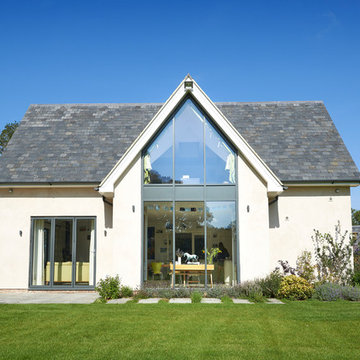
(179, 253)
(210, 255)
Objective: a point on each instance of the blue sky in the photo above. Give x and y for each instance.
(133, 51)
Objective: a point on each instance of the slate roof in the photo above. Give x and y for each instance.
(82, 142)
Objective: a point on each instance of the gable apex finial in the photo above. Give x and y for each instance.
(188, 83)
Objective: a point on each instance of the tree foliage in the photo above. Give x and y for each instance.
(355, 216)
(6, 134)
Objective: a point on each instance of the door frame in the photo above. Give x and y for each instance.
(73, 285)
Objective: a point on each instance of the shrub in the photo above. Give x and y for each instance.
(100, 300)
(217, 292)
(252, 290)
(196, 297)
(333, 256)
(333, 292)
(236, 291)
(109, 288)
(356, 278)
(126, 291)
(141, 294)
(181, 293)
(328, 292)
(304, 268)
(270, 285)
(351, 293)
(295, 288)
(164, 293)
(226, 299)
(356, 250)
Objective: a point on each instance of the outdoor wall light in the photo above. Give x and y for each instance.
(133, 208)
(105, 233)
(337, 190)
(11, 190)
(248, 208)
(20, 233)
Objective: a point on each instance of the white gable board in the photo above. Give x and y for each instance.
(274, 185)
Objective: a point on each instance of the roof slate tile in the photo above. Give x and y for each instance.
(82, 142)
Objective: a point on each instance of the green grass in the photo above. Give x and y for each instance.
(297, 330)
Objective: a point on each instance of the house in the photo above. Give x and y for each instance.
(88, 190)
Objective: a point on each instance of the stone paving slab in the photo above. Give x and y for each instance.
(119, 301)
(149, 301)
(210, 301)
(242, 301)
(180, 301)
(47, 297)
(274, 301)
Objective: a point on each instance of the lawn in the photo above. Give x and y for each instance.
(297, 330)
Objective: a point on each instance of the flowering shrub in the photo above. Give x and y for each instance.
(333, 292)
(295, 288)
(333, 256)
(270, 285)
(304, 268)
(351, 293)
(252, 290)
(328, 292)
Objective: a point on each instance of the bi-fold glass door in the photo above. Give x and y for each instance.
(201, 246)
(62, 252)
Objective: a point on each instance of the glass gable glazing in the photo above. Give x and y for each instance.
(190, 148)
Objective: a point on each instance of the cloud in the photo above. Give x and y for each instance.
(332, 23)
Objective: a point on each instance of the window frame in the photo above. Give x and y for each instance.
(171, 118)
(187, 192)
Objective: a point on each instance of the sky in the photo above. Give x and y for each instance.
(139, 51)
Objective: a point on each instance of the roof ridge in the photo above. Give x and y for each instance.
(159, 104)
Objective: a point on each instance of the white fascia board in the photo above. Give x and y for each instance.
(273, 183)
(322, 184)
(48, 185)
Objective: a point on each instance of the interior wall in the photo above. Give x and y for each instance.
(16, 210)
(300, 210)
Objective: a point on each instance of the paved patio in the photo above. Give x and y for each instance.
(47, 297)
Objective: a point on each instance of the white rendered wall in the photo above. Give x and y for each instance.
(127, 229)
(298, 212)
(16, 209)
(253, 225)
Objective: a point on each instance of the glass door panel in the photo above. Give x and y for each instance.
(158, 243)
(41, 252)
(189, 235)
(85, 250)
(63, 252)
(221, 241)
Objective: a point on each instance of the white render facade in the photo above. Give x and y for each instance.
(273, 219)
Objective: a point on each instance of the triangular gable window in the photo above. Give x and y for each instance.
(190, 150)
